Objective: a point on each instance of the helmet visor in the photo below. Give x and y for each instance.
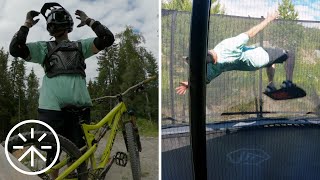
(58, 17)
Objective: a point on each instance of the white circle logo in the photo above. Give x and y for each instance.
(32, 150)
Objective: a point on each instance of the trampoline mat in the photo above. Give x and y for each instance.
(270, 153)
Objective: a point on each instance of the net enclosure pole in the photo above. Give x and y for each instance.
(172, 46)
(197, 85)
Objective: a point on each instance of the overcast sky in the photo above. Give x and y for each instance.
(308, 9)
(142, 15)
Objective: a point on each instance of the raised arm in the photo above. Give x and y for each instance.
(256, 29)
(105, 37)
(18, 47)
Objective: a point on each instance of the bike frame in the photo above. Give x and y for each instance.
(113, 119)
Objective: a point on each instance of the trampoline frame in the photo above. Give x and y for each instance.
(180, 134)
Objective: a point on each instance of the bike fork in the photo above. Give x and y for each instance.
(132, 119)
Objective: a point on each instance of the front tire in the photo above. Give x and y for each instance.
(133, 151)
(67, 150)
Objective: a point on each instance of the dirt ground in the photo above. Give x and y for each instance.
(148, 159)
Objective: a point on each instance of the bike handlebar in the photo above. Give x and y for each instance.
(129, 89)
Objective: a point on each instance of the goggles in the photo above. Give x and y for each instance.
(59, 17)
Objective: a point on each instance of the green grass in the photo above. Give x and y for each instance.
(147, 128)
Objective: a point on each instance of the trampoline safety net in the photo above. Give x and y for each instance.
(239, 91)
(249, 134)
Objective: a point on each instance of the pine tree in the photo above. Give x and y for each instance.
(289, 30)
(136, 64)
(108, 68)
(287, 11)
(130, 64)
(121, 66)
(99, 110)
(180, 5)
(32, 95)
(151, 96)
(17, 79)
(6, 96)
(91, 88)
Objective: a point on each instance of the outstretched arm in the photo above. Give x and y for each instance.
(182, 89)
(256, 29)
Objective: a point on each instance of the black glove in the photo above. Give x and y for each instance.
(82, 17)
(30, 16)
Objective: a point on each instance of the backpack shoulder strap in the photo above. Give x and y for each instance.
(52, 49)
(80, 48)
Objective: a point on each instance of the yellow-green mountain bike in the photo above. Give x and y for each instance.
(82, 164)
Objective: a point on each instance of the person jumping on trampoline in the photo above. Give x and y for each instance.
(233, 54)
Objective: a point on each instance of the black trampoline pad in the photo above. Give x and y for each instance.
(272, 153)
